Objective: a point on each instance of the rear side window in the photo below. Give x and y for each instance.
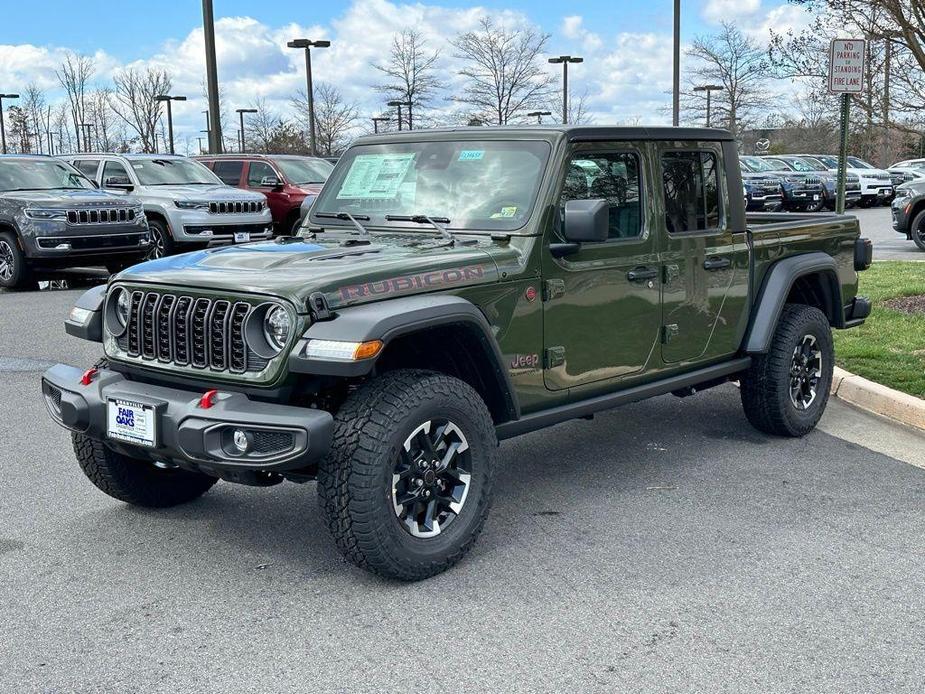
(691, 183)
(610, 176)
(229, 171)
(87, 167)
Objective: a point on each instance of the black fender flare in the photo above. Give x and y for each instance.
(773, 295)
(91, 329)
(387, 320)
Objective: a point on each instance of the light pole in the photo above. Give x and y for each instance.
(51, 141)
(215, 116)
(2, 126)
(398, 105)
(676, 77)
(307, 44)
(168, 99)
(709, 89)
(241, 112)
(565, 60)
(377, 120)
(86, 128)
(539, 115)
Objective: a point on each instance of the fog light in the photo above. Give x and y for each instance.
(241, 440)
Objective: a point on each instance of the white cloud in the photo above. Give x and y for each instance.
(729, 10)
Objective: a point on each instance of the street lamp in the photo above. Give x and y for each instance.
(307, 45)
(676, 73)
(565, 60)
(86, 128)
(215, 126)
(3, 127)
(377, 120)
(51, 141)
(241, 112)
(709, 89)
(168, 99)
(398, 105)
(539, 115)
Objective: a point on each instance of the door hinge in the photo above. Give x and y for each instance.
(672, 272)
(553, 289)
(669, 331)
(555, 356)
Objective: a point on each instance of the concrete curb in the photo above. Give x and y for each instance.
(880, 400)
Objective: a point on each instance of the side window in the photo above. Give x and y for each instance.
(610, 176)
(114, 169)
(87, 167)
(229, 171)
(257, 172)
(692, 199)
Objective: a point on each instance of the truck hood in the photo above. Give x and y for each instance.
(353, 274)
(67, 198)
(208, 193)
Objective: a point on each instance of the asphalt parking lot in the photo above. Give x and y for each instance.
(666, 546)
(876, 224)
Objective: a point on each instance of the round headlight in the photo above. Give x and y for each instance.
(122, 306)
(117, 311)
(276, 327)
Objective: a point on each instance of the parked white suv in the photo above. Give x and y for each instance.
(187, 205)
(877, 185)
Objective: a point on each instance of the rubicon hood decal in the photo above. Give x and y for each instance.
(413, 283)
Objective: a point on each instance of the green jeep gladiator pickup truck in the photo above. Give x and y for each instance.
(452, 288)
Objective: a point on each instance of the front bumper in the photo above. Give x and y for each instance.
(880, 190)
(201, 226)
(187, 434)
(55, 240)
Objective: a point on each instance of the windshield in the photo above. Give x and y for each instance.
(816, 163)
(829, 161)
(800, 165)
(40, 174)
(302, 171)
(166, 172)
(475, 184)
(757, 165)
(856, 163)
(778, 164)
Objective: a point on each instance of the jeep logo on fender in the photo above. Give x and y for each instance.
(427, 280)
(525, 361)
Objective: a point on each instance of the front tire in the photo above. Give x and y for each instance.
(162, 244)
(407, 485)
(137, 482)
(785, 391)
(917, 230)
(15, 272)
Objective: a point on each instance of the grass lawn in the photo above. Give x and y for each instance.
(890, 347)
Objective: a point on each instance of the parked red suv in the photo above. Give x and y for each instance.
(286, 179)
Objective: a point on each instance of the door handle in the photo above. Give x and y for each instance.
(642, 273)
(716, 263)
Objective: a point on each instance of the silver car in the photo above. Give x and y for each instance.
(187, 206)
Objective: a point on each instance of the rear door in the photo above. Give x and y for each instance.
(231, 171)
(704, 260)
(601, 302)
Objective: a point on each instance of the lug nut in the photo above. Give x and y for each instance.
(419, 482)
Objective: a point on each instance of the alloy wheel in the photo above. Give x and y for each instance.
(805, 373)
(431, 477)
(7, 261)
(157, 249)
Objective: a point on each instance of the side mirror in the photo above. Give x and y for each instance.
(270, 182)
(586, 221)
(123, 182)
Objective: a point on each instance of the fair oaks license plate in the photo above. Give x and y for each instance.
(242, 236)
(816, 198)
(132, 422)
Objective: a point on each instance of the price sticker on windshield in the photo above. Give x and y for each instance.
(472, 155)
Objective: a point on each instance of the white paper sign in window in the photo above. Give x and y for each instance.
(375, 176)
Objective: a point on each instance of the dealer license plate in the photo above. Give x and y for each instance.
(132, 422)
(242, 236)
(816, 198)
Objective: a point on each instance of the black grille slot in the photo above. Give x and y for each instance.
(163, 327)
(237, 350)
(181, 330)
(218, 329)
(269, 442)
(146, 327)
(198, 333)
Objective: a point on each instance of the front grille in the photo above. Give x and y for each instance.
(812, 181)
(236, 207)
(103, 215)
(271, 442)
(202, 333)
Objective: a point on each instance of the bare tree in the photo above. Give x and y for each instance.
(34, 105)
(134, 98)
(740, 65)
(335, 118)
(577, 108)
(261, 127)
(503, 71)
(74, 75)
(410, 71)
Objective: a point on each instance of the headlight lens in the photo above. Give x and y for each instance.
(191, 204)
(44, 213)
(122, 307)
(276, 327)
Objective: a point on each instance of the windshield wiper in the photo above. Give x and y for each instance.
(346, 216)
(436, 222)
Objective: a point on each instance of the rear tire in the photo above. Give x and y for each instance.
(372, 486)
(15, 272)
(917, 230)
(137, 482)
(785, 391)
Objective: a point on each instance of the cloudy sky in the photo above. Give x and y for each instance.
(626, 44)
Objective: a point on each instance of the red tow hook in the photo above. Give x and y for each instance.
(87, 378)
(208, 399)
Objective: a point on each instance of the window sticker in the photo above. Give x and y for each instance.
(471, 155)
(505, 213)
(375, 176)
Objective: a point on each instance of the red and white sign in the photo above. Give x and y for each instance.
(846, 66)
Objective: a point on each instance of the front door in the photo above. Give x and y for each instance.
(277, 199)
(601, 302)
(705, 261)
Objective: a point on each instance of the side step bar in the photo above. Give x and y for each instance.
(584, 408)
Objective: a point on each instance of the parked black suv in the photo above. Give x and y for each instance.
(52, 217)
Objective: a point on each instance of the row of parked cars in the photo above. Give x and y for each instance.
(118, 209)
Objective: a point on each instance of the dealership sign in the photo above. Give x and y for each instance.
(846, 66)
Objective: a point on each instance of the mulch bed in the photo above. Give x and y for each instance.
(913, 305)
